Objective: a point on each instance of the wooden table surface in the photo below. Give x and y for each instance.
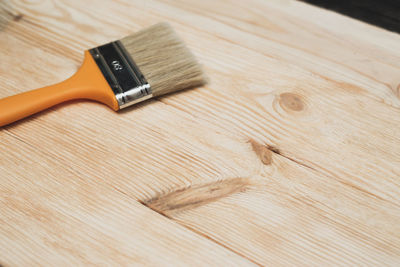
(289, 156)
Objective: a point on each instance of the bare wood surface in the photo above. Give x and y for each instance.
(58, 217)
(291, 155)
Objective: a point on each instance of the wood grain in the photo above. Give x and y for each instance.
(290, 156)
(57, 216)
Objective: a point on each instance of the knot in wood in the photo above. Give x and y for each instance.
(290, 101)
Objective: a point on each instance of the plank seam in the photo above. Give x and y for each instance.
(201, 234)
(187, 227)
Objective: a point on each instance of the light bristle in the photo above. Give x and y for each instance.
(164, 60)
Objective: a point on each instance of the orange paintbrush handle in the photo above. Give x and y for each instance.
(87, 83)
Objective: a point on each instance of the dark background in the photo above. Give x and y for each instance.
(382, 13)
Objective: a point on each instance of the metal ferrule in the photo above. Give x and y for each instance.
(124, 77)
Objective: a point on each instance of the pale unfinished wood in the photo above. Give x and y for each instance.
(58, 216)
(291, 155)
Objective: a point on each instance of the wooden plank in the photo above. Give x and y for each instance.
(53, 215)
(312, 94)
(289, 215)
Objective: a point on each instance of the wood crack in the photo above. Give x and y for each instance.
(295, 160)
(195, 196)
(204, 235)
(213, 240)
(265, 152)
(8, 132)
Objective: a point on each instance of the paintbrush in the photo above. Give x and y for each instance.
(146, 64)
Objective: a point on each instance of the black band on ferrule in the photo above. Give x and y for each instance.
(124, 77)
